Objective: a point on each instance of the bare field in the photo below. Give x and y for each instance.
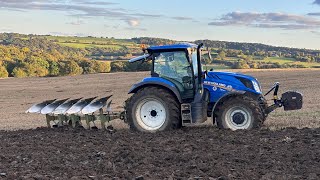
(187, 153)
(17, 95)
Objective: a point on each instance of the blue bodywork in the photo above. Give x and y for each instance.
(221, 83)
(172, 46)
(156, 81)
(218, 84)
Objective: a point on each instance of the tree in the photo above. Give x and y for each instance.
(54, 69)
(25, 50)
(19, 72)
(102, 67)
(117, 66)
(36, 70)
(254, 66)
(241, 64)
(3, 72)
(70, 68)
(35, 66)
(88, 67)
(222, 55)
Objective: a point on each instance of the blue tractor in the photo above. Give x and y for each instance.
(178, 93)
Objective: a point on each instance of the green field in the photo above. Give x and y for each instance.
(271, 60)
(93, 42)
(215, 66)
(87, 45)
(281, 60)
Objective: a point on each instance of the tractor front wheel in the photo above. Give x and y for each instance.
(153, 109)
(239, 112)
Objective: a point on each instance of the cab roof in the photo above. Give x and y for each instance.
(172, 46)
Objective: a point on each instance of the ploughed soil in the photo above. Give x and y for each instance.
(193, 152)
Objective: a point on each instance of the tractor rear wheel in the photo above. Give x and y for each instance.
(153, 109)
(240, 112)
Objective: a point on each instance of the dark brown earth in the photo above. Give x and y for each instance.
(19, 94)
(199, 152)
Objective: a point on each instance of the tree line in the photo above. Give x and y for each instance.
(32, 55)
(233, 49)
(39, 57)
(22, 62)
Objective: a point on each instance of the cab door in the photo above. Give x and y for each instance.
(175, 67)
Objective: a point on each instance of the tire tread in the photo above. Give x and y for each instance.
(257, 112)
(166, 96)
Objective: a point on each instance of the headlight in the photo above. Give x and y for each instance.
(256, 86)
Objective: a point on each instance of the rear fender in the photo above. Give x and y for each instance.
(156, 81)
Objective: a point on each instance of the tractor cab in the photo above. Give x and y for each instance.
(176, 83)
(178, 64)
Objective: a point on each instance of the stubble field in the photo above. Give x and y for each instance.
(198, 152)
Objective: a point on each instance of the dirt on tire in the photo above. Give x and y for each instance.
(242, 101)
(172, 120)
(194, 152)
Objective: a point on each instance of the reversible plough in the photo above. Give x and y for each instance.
(71, 112)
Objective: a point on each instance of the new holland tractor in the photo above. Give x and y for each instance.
(177, 93)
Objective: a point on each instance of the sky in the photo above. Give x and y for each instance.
(290, 23)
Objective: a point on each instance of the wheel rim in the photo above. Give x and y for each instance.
(238, 118)
(150, 114)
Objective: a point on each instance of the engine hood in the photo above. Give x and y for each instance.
(237, 81)
(226, 75)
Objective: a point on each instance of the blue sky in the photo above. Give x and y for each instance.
(292, 23)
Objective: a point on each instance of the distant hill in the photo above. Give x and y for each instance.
(45, 55)
(252, 47)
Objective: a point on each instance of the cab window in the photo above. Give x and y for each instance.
(173, 65)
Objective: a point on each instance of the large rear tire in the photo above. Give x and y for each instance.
(153, 109)
(240, 112)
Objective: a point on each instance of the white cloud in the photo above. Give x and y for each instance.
(182, 18)
(267, 20)
(133, 22)
(76, 23)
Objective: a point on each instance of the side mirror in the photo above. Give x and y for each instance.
(186, 79)
(204, 74)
